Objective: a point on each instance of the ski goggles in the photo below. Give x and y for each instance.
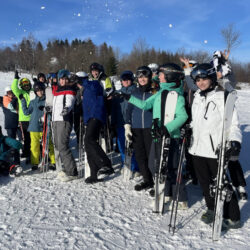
(25, 82)
(141, 73)
(202, 73)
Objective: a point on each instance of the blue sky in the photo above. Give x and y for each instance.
(164, 24)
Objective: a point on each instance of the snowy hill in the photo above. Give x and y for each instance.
(43, 213)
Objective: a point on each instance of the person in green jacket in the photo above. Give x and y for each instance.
(170, 76)
(22, 88)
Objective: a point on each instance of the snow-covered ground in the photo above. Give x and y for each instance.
(39, 213)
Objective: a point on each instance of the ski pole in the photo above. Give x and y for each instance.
(178, 183)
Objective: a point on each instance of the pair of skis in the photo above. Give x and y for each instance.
(160, 176)
(221, 190)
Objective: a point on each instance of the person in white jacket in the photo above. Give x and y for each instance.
(62, 118)
(207, 119)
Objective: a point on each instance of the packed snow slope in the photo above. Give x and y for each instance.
(40, 212)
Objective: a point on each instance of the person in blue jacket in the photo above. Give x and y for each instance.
(8, 147)
(118, 115)
(94, 117)
(141, 121)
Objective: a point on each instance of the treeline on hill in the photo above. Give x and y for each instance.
(31, 56)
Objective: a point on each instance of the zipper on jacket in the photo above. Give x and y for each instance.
(211, 140)
(143, 98)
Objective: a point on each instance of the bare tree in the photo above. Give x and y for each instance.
(230, 36)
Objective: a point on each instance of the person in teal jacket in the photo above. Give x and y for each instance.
(170, 76)
(22, 88)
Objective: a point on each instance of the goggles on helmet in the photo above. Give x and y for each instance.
(202, 73)
(141, 73)
(24, 82)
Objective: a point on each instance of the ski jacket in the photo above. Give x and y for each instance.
(207, 120)
(119, 107)
(93, 102)
(17, 91)
(64, 97)
(35, 109)
(6, 144)
(139, 118)
(10, 112)
(154, 102)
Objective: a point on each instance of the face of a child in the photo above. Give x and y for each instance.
(10, 94)
(40, 93)
(126, 83)
(143, 80)
(203, 83)
(162, 77)
(95, 73)
(63, 81)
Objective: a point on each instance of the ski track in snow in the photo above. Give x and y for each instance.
(43, 213)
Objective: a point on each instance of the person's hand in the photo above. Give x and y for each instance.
(220, 63)
(65, 111)
(185, 61)
(234, 150)
(21, 96)
(41, 108)
(225, 54)
(16, 75)
(48, 109)
(128, 133)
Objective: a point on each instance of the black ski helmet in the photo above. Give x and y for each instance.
(41, 75)
(144, 71)
(204, 70)
(172, 72)
(96, 66)
(127, 75)
(38, 86)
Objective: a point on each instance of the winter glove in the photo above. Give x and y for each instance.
(234, 150)
(188, 134)
(21, 96)
(16, 75)
(128, 133)
(125, 96)
(41, 108)
(65, 111)
(109, 92)
(48, 109)
(221, 64)
(156, 132)
(164, 131)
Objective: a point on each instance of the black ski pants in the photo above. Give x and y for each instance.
(236, 174)
(142, 140)
(26, 138)
(206, 171)
(95, 154)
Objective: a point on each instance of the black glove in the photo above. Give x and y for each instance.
(125, 96)
(16, 75)
(65, 111)
(21, 96)
(35, 80)
(164, 131)
(234, 150)
(188, 134)
(41, 108)
(48, 109)
(156, 131)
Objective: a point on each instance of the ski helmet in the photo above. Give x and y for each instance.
(127, 75)
(7, 89)
(25, 84)
(51, 76)
(144, 71)
(154, 67)
(63, 73)
(41, 75)
(204, 70)
(82, 74)
(96, 66)
(38, 86)
(172, 72)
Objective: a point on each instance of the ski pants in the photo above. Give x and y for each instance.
(206, 171)
(172, 166)
(26, 138)
(62, 131)
(97, 158)
(236, 174)
(12, 132)
(142, 140)
(121, 145)
(35, 138)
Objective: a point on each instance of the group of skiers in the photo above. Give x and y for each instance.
(136, 116)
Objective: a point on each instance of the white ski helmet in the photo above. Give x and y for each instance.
(7, 89)
(154, 67)
(82, 74)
